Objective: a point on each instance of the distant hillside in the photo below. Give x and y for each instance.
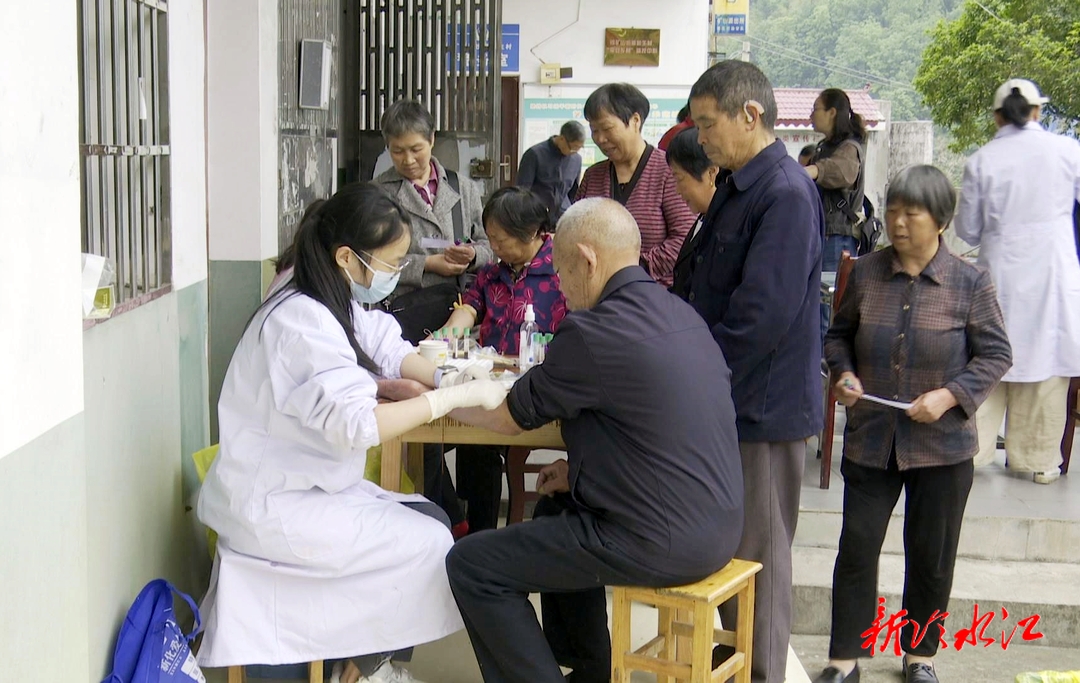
(845, 44)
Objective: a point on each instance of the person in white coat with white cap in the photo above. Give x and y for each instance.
(314, 562)
(1016, 204)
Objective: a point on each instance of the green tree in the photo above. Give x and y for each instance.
(992, 41)
(849, 44)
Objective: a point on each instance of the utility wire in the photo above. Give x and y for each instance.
(532, 50)
(794, 55)
(840, 70)
(825, 64)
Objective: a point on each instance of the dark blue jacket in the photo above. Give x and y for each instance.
(756, 278)
(650, 433)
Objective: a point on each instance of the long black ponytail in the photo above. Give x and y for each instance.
(848, 123)
(360, 216)
(1016, 109)
(288, 257)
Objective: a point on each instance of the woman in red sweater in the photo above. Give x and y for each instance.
(636, 175)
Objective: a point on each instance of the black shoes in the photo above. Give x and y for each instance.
(919, 673)
(833, 675)
(720, 654)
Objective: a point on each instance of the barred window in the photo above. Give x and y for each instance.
(124, 141)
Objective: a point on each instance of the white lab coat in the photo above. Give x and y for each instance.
(1016, 204)
(313, 561)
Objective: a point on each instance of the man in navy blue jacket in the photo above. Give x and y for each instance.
(755, 280)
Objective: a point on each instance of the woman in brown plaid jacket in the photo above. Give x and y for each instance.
(920, 327)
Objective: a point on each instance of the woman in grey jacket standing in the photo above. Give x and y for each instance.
(441, 206)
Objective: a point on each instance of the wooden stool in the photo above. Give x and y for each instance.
(700, 600)
(315, 673)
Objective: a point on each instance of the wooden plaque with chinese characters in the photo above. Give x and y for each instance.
(632, 47)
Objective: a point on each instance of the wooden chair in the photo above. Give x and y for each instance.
(517, 467)
(1073, 408)
(699, 600)
(825, 447)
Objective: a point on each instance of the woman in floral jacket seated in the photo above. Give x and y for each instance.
(517, 226)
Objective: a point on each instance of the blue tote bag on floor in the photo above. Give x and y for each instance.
(151, 647)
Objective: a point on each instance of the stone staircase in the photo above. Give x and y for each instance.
(1019, 550)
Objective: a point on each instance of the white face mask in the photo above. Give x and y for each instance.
(382, 284)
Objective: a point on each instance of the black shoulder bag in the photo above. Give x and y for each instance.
(424, 310)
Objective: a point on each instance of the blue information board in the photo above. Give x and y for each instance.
(511, 48)
(730, 25)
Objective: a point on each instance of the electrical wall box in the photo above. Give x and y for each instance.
(550, 73)
(316, 57)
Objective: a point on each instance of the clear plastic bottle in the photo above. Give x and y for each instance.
(526, 343)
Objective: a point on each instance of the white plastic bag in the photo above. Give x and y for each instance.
(98, 287)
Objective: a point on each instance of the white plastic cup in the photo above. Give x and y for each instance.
(434, 350)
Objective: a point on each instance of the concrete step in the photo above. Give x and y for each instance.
(1048, 589)
(983, 537)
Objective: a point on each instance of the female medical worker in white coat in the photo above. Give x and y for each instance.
(1017, 204)
(313, 562)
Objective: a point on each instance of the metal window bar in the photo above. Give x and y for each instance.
(444, 53)
(124, 140)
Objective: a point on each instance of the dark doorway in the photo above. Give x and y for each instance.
(511, 120)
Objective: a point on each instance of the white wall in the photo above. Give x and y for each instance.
(684, 43)
(43, 582)
(90, 422)
(134, 528)
(40, 270)
(187, 125)
(242, 129)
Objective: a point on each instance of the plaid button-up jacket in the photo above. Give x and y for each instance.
(904, 336)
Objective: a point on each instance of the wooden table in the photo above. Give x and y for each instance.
(446, 430)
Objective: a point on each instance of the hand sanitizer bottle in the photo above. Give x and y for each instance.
(526, 344)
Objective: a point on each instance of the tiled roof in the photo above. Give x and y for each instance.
(795, 104)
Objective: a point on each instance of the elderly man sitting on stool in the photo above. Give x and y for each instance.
(651, 492)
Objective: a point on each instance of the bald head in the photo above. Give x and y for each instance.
(603, 224)
(596, 238)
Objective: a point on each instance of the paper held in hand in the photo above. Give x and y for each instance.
(885, 402)
(435, 243)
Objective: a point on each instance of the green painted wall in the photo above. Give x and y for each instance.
(235, 291)
(193, 318)
(94, 508)
(135, 523)
(43, 558)
(193, 313)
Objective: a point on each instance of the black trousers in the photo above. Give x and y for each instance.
(933, 513)
(561, 556)
(479, 482)
(438, 486)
